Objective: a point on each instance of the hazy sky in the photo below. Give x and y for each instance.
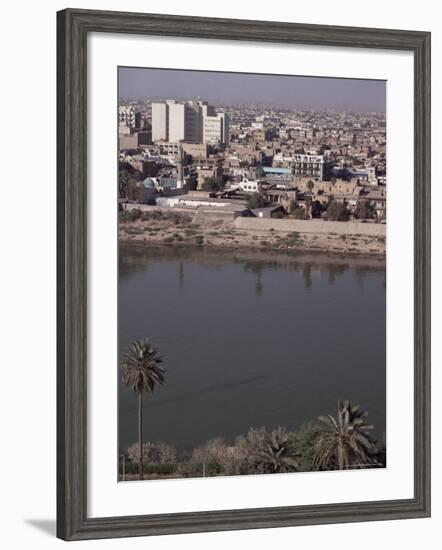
(240, 88)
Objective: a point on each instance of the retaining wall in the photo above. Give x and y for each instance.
(312, 226)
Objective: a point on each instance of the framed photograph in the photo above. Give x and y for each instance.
(243, 274)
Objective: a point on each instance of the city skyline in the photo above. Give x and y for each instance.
(285, 91)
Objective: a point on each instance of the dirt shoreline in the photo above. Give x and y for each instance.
(225, 236)
(158, 226)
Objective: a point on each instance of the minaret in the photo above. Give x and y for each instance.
(180, 177)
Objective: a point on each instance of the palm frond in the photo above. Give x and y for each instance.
(345, 441)
(142, 367)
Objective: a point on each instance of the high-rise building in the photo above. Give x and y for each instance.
(160, 122)
(194, 122)
(177, 121)
(216, 129)
(126, 115)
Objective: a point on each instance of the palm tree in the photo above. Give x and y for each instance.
(142, 372)
(272, 453)
(344, 441)
(308, 207)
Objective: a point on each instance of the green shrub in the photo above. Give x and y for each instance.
(134, 230)
(131, 215)
(196, 469)
(131, 468)
(293, 238)
(124, 215)
(135, 214)
(337, 211)
(299, 213)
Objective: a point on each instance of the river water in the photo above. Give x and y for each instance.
(250, 339)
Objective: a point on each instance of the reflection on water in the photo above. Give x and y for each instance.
(251, 339)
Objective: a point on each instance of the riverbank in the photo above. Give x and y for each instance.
(258, 451)
(178, 228)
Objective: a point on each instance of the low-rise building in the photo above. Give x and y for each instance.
(308, 165)
(248, 186)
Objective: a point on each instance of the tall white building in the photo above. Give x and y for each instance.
(177, 121)
(160, 122)
(215, 125)
(216, 129)
(194, 121)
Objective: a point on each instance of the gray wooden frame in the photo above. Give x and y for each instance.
(73, 27)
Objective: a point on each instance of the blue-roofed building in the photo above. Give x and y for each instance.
(277, 171)
(277, 176)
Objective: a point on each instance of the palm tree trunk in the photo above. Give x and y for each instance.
(340, 455)
(140, 434)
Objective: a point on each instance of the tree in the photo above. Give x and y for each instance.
(216, 457)
(213, 183)
(344, 441)
(308, 207)
(160, 453)
(128, 187)
(316, 209)
(337, 211)
(133, 452)
(254, 200)
(364, 210)
(310, 185)
(303, 442)
(267, 452)
(142, 372)
(275, 456)
(166, 454)
(124, 180)
(299, 213)
(210, 452)
(381, 455)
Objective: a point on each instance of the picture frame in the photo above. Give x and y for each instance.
(73, 27)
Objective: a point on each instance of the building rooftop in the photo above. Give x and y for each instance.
(275, 170)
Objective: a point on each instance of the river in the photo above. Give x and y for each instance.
(250, 339)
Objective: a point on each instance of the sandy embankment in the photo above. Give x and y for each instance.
(178, 228)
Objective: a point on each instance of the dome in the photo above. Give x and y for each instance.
(149, 183)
